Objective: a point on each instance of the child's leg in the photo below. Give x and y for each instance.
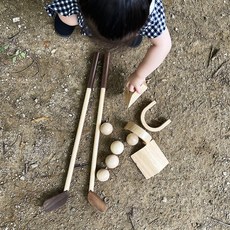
(69, 20)
(64, 26)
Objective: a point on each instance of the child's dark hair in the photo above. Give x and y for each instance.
(115, 19)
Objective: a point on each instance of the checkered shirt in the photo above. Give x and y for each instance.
(152, 28)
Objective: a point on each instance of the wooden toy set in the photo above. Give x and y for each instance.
(149, 159)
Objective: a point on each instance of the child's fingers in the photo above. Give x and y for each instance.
(138, 89)
(131, 88)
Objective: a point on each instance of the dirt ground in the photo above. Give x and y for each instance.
(43, 81)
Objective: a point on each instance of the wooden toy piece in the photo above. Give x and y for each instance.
(132, 139)
(61, 198)
(152, 129)
(141, 133)
(117, 147)
(112, 161)
(93, 198)
(103, 175)
(106, 128)
(150, 159)
(131, 97)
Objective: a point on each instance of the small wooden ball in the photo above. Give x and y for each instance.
(132, 139)
(103, 175)
(106, 128)
(117, 147)
(112, 161)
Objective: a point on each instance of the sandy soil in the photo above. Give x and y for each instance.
(43, 80)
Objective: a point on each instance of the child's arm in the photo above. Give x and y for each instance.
(155, 55)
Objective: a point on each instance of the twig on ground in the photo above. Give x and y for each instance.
(4, 148)
(9, 146)
(130, 215)
(80, 165)
(38, 70)
(221, 222)
(219, 68)
(26, 168)
(24, 68)
(36, 120)
(212, 54)
(13, 36)
(153, 220)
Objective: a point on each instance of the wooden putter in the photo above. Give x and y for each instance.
(93, 198)
(60, 199)
(131, 97)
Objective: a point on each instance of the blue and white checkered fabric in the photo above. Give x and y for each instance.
(153, 27)
(155, 23)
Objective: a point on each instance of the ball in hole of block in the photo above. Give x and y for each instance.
(132, 139)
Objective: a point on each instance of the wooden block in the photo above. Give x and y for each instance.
(130, 97)
(144, 123)
(150, 159)
(140, 132)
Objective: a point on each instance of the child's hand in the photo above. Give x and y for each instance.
(134, 83)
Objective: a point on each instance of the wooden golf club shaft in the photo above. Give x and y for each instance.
(81, 121)
(98, 123)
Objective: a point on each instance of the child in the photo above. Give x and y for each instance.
(113, 21)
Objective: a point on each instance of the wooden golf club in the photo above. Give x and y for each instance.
(93, 198)
(60, 199)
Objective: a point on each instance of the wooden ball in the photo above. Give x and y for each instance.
(112, 161)
(106, 128)
(117, 147)
(132, 139)
(103, 175)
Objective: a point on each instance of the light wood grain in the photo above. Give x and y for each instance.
(98, 122)
(144, 123)
(131, 97)
(150, 159)
(140, 132)
(81, 122)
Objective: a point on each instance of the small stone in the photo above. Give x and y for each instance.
(53, 51)
(16, 19)
(164, 199)
(33, 166)
(22, 178)
(72, 209)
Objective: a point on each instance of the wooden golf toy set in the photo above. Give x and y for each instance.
(149, 159)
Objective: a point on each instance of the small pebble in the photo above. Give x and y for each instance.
(33, 166)
(22, 178)
(16, 19)
(53, 51)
